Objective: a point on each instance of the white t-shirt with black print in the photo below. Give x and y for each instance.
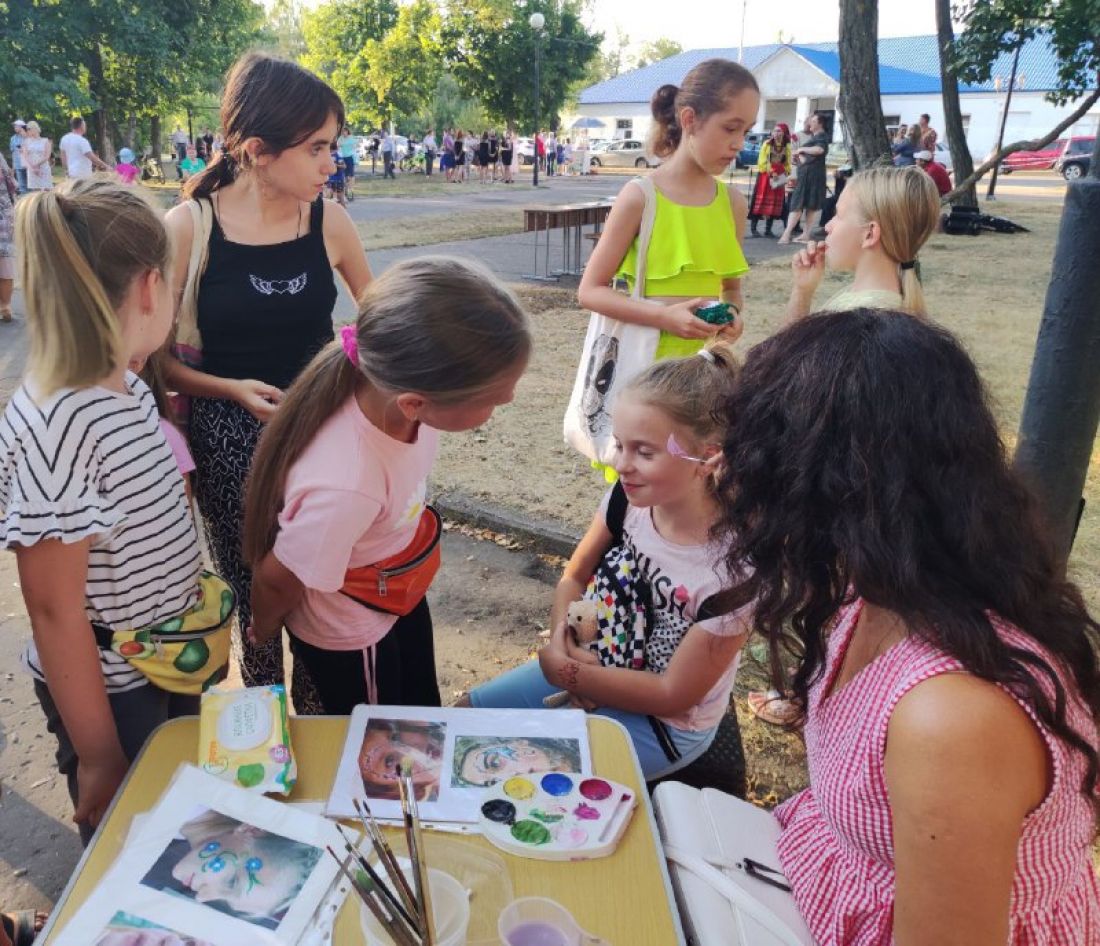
(681, 578)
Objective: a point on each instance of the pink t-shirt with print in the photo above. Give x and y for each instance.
(354, 497)
(681, 578)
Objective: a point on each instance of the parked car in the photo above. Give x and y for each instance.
(526, 149)
(1077, 158)
(1041, 160)
(625, 153)
(750, 150)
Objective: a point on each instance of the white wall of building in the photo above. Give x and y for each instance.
(1029, 116)
(792, 88)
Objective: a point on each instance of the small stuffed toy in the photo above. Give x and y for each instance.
(580, 617)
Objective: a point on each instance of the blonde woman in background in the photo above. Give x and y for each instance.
(36, 155)
(883, 218)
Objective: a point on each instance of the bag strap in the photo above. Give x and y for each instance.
(645, 233)
(202, 224)
(615, 517)
(740, 900)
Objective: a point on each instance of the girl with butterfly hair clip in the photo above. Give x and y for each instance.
(666, 650)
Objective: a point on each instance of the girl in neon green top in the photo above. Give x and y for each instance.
(694, 253)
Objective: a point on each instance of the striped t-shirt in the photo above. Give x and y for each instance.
(90, 462)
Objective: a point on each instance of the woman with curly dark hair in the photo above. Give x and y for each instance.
(946, 670)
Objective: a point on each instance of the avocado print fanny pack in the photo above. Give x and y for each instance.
(185, 654)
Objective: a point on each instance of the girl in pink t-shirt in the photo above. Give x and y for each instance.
(669, 682)
(150, 371)
(340, 475)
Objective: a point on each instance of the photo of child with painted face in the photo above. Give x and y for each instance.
(124, 929)
(485, 760)
(234, 868)
(387, 743)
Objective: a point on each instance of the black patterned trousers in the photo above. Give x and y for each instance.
(223, 440)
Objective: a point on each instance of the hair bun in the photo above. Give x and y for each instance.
(663, 103)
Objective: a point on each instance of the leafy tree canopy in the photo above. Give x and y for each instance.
(992, 26)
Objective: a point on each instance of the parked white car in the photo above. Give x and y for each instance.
(626, 153)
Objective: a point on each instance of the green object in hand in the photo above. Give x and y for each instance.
(716, 314)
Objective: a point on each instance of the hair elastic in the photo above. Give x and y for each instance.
(708, 355)
(911, 264)
(349, 338)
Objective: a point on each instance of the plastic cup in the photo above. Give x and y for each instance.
(450, 908)
(539, 921)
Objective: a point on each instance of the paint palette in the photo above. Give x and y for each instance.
(552, 816)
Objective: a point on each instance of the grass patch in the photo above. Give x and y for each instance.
(441, 228)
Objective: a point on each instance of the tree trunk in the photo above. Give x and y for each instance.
(961, 161)
(100, 136)
(859, 80)
(154, 136)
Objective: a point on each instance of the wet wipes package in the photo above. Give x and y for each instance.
(555, 816)
(244, 738)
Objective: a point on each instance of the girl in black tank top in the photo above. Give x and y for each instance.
(283, 293)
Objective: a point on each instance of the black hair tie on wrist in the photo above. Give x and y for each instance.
(911, 264)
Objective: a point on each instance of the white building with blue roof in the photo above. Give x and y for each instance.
(797, 79)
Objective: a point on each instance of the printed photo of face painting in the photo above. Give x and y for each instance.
(389, 742)
(556, 817)
(480, 761)
(125, 929)
(234, 868)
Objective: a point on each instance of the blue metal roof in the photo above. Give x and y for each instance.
(907, 65)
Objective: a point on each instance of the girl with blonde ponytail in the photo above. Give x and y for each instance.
(883, 218)
(90, 499)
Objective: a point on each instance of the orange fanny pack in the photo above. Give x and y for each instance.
(399, 583)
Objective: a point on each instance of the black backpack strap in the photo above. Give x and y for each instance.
(615, 517)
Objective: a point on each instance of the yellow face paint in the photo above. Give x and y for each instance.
(519, 787)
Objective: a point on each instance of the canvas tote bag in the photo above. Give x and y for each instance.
(613, 353)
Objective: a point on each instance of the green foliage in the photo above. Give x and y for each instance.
(994, 26)
(336, 36)
(656, 50)
(117, 61)
(406, 63)
(450, 108)
(284, 22)
(491, 49)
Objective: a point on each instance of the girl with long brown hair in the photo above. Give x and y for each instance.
(340, 478)
(262, 303)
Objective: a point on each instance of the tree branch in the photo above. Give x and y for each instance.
(1033, 145)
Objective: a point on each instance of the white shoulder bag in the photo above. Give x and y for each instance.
(613, 353)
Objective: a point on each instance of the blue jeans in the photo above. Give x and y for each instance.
(21, 179)
(526, 687)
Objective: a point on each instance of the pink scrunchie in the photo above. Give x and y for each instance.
(349, 338)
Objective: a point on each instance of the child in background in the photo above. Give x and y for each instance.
(89, 497)
(151, 371)
(666, 436)
(883, 218)
(694, 254)
(340, 475)
(191, 165)
(334, 187)
(128, 172)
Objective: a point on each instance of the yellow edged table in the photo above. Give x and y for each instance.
(625, 898)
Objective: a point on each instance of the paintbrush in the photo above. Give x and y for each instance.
(393, 903)
(386, 856)
(397, 931)
(405, 789)
(420, 865)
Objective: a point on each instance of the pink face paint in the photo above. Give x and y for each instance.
(674, 449)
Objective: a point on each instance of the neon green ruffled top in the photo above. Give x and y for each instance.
(691, 251)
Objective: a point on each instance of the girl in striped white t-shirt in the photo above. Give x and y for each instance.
(90, 497)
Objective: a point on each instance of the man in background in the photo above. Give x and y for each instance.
(77, 156)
